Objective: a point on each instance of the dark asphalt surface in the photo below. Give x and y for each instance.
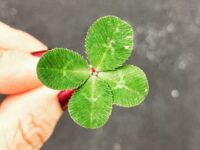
(167, 47)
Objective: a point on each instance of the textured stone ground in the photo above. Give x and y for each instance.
(167, 37)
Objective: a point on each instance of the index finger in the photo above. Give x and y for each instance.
(17, 72)
(13, 39)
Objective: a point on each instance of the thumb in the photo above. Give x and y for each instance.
(27, 120)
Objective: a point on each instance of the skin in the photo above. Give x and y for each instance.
(29, 114)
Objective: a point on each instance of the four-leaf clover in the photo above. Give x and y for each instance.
(109, 43)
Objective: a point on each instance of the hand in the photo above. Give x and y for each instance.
(30, 112)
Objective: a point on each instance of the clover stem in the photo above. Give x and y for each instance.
(93, 70)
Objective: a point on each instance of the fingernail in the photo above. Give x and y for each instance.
(38, 53)
(64, 97)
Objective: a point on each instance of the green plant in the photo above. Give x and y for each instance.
(109, 43)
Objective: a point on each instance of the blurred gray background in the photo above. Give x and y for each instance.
(167, 47)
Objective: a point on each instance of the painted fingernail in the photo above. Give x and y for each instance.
(38, 53)
(64, 97)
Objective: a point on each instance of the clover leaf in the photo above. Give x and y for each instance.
(91, 105)
(128, 83)
(109, 43)
(106, 81)
(62, 69)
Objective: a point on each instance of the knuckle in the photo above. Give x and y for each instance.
(34, 132)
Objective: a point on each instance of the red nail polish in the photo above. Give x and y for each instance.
(64, 97)
(38, 53)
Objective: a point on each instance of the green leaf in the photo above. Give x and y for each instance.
(128, 83)
(109, 43)
(62, 69)
(91, 105)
